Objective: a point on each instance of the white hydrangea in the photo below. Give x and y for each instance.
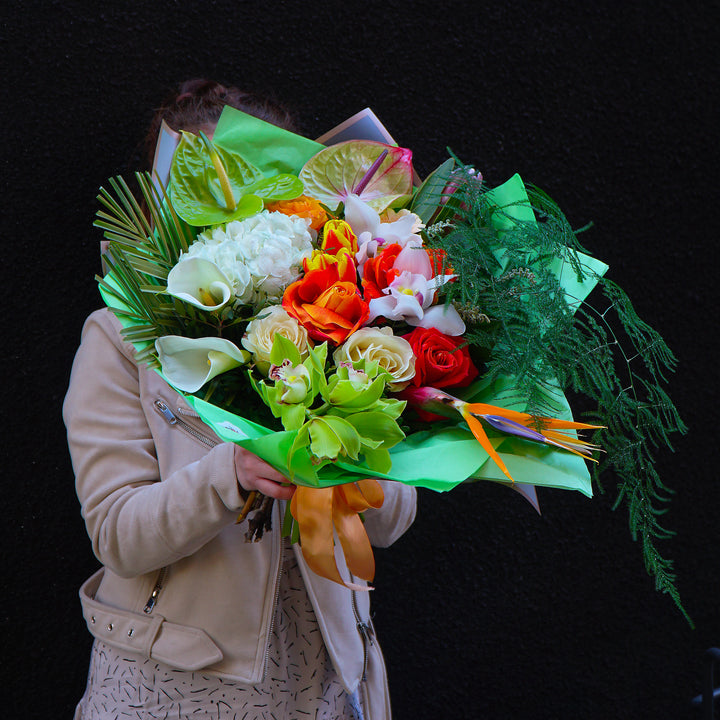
(260, 255)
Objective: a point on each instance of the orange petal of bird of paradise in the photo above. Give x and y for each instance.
(318, 511)
(548, 428)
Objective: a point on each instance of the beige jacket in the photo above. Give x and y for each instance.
(160, 497)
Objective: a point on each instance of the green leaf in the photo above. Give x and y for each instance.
(336, 172)
(196, 188)
(427, 198)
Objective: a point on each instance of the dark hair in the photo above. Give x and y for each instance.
(199, 102)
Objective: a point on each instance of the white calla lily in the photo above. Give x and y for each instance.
(201, 283)
(188, 363)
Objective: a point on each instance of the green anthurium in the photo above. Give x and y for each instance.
(332, 436)
(209, 185)
(277, 188)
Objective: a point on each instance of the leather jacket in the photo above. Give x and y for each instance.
(160, 497)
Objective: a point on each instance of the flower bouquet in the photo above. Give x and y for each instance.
(346, 324)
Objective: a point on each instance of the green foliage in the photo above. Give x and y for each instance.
(526, 327)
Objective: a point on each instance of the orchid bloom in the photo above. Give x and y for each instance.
(410, 295)
(372, 233)
(293, 380)
(189, 363)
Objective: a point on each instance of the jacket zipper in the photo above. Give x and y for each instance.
(365, 631)
(172, 419)
(276, 597)
(150, 604)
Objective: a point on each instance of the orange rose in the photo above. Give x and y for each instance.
(327, 303)
(378, 272)
(304, 207)
(338, 235)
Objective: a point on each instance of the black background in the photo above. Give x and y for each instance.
(484, 609)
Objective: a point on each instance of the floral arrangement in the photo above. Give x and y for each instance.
(423, 334)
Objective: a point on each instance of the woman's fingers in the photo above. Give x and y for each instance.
(253, 473)
(273, 489)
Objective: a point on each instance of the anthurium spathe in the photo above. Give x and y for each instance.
(201, 283)
(380, 174)
(189, 363)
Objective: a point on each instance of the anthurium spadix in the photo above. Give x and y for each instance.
(189, 363)
(359, 167)
(201, 283)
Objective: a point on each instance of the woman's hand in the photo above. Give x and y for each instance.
(255, 474)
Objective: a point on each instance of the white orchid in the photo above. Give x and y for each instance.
(373, 234)
(189, 363)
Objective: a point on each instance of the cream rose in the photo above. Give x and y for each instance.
(392, 353)
(261, 332)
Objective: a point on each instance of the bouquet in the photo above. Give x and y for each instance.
(324, 309)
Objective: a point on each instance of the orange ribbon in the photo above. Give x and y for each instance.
(319, 511)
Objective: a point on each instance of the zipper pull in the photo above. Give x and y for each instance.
(166, 412)
(150, 604)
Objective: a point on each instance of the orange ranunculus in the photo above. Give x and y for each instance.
(327, 303)
(337, 234)
(378, 272)
(304, 207)
(320, 260)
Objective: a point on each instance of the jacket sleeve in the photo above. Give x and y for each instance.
(136, 522)
(386, 524)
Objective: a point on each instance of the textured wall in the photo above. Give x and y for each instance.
(484, 609)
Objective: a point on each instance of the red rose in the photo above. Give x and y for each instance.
(440, 361)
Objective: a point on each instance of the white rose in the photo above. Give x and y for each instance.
(391, 353)
(261, 332)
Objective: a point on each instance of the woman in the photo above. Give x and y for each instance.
(190, 620)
